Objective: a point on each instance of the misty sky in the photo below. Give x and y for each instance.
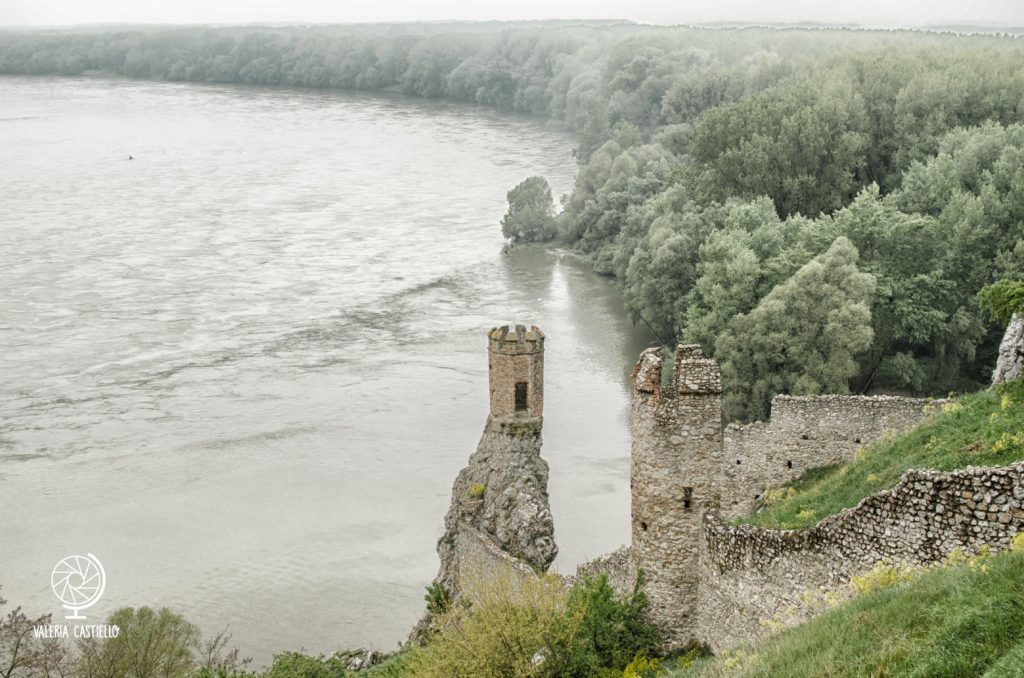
(865, 12)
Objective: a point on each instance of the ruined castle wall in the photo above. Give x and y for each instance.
(480, 559)
(618, 566)
(675, 460)
(748, 573)
(806, 432)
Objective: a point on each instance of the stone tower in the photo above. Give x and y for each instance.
(499, 517)
(677, 470)
(515, 360)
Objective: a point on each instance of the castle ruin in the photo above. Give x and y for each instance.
(709, 581)
(499, 517)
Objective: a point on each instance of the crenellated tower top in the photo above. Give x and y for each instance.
(515, 358)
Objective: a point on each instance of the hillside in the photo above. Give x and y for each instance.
(981, 429)
(965, 618)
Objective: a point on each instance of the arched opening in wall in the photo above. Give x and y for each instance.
(687, 498)
(520, 396)
(789, 463)
(643, 526)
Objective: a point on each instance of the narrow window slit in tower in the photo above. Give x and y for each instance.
(643, 526)
(789, 463)
(687, 498)
(520, 396)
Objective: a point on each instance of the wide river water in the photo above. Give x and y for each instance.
(244, 368)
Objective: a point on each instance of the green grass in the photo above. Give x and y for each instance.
(952, 621)
(982, 429)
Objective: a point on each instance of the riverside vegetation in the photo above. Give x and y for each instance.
(717, 169)
(819, 209)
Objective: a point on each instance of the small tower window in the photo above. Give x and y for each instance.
(520, 396)
(687, 498)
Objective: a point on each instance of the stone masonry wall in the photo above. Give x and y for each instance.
(806, 432)
(748, 573)
(515, 355)
(480, 558)
(619, 567)
(676, 459)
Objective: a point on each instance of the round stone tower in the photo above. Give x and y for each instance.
(515, 361)
(677, 472)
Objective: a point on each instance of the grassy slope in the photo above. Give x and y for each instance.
(953, 621)
(982, 429)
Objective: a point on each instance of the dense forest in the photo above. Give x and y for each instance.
(817, 208)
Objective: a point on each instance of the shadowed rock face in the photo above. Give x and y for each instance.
(502, 493)
(500, 498)
(1010, 365)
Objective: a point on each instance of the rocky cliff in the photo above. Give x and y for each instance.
(1010, 364)
(503, 494)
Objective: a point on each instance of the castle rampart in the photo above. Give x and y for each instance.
(707, 580)
(748, 573)
(806, 432)
(685, 466)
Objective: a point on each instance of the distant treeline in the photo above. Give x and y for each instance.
(817, 208)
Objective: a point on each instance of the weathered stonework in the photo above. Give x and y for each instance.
(749, 573)
(806, 432)
(1010, 364)
(618, 566)
(499, 517)
(706, 580)
(676, 463)
(686, 466)
(515, 362)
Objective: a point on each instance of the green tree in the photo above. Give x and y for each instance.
(1003, 299)
(802, 144)
(22, 655)
(802, 338)
(531, 212)
(150, 644)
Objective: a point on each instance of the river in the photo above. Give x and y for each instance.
(243, 367)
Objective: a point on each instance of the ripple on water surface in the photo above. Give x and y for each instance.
(244, 368)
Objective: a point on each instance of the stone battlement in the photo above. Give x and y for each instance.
(514, 339)
(515, 363)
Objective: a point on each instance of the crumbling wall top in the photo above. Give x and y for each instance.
(647, 373)
(515, 339)
(695, 374)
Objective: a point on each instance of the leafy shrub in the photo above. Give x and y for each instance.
(1003, 299)
(150, 644)
(438, 600)
(509, 631)
(298, 665)
(476, 490)
(533, 627)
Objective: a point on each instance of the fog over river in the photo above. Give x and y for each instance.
(243, 368)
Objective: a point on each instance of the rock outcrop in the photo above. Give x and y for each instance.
(1010, 364)
(502, 494)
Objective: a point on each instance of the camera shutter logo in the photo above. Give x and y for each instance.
(78, 582)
